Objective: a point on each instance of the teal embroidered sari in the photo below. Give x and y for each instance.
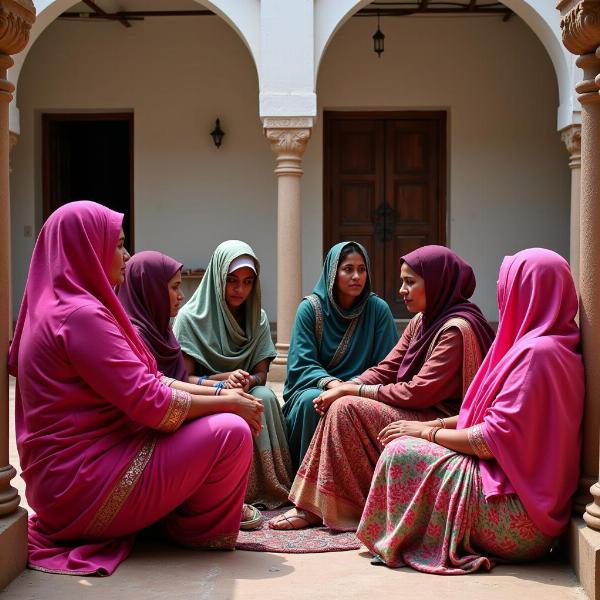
(330, 343)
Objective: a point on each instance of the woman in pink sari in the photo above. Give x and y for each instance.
(106, 448)
(494, 484)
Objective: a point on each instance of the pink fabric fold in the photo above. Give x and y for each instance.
(529, 390)
(94, 422)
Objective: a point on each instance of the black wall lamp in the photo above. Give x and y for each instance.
(378, 38)
(217, 134)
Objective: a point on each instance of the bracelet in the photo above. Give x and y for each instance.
(442, 422)
(431, 433)
(360, 389)
(255, 378)
(201, 379)
(435, 431)
(169, 381)
(220, 385)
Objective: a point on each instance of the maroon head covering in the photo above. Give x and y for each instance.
(145, 296)
(449, 283)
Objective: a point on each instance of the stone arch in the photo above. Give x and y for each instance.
(540, 15)
(242, 16)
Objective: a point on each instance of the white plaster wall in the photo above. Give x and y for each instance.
(177, 75)
(508, 179)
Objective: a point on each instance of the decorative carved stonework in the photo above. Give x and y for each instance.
(16, 19)
(580, 27)
(288, 141)
(288, 144)
(288, 122)
(571, 137)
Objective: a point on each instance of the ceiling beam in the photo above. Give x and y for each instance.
(112, 17)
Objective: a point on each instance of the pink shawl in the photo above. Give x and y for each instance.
(87, 396)
(69, 269)
(529, 390)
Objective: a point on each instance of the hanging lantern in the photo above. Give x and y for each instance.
(378, 39)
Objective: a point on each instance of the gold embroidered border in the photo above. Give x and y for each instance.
(314, 302)
(370, 391)
(118, 495)
(177, 411)
(343, 347)
(478, 443)
(325, 381)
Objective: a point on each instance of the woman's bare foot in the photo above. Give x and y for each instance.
(251, 518)
(295, 518)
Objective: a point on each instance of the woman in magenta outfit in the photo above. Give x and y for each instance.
(494, 483)
(106, 448)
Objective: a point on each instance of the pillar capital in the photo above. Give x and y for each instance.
(571, 137)
(580, 25)
(16, 19)
(289, 138)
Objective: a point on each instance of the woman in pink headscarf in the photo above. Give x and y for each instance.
(106, 447)
(496, 483)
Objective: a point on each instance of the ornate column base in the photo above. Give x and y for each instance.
(13, 546)
(584, 555)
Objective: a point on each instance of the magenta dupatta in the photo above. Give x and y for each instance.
(88, 399)
(529, 390)
(145, 297)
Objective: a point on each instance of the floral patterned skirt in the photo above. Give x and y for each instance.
(335, 476)
(426, 509)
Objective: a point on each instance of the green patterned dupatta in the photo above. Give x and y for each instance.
(208, 331)
(329, 342)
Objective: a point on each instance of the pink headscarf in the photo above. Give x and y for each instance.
(529, 390)
(69, 269)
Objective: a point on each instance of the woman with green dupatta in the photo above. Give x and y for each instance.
(340, 330)
(226, 341)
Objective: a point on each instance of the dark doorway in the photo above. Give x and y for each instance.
(89, 157)
(385, 187)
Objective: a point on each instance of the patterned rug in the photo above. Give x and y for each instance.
(302, 541)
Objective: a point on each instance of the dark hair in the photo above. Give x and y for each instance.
(350, 248)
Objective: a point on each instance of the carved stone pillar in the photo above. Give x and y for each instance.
(571, 137)
(16, 18)
(580, 25)
(288, 137)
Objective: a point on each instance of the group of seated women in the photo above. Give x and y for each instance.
(447, 450)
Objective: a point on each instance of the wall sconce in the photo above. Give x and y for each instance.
(217, 134)
(378, 38)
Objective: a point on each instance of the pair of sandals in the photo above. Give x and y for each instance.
(253, 518)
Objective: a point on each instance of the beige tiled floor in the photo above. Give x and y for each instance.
(155, 572)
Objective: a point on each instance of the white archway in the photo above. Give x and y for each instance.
(243, 16)
(539, 15)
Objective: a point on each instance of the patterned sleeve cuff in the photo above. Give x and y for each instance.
(177, 411)
(369, 391)
(478, 443)
(325, 381)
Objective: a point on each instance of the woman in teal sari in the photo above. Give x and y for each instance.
(340, 330)
(226, 341)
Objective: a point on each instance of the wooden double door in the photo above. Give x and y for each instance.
(385, 187)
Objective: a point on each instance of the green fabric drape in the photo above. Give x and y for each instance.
(310, 365)
(207, 330)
